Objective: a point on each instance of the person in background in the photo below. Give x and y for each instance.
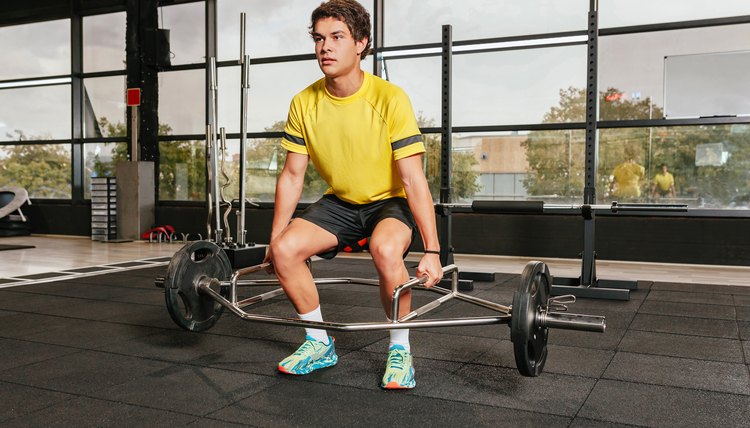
(626, 178)
(663, 183)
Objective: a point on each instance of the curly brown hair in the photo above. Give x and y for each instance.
(351, 13)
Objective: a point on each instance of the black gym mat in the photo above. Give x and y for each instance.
(102, 351)
(5, 247)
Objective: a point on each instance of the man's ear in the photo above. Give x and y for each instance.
(361, 45)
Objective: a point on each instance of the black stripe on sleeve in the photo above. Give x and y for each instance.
(406, 142)
(293, 139)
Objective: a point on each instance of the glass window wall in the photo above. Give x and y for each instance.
(186, 25)
(182, 170)
(104, 42)
(34, 50)
(640, 12)
(100, 160)
(631, 67)
(182, 102)
(415, 21)
(104, 107)
(44, 170)
(35, 113)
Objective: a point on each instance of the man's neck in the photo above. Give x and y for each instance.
(347, 85)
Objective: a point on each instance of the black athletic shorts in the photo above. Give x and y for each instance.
(350, 222)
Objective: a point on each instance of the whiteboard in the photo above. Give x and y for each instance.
(707, 85)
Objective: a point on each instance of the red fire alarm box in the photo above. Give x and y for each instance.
(134, 97)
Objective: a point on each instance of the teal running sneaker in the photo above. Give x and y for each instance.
(312, 355)
(399, 373)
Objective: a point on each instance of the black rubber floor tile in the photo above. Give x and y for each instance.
(19, 325)
(744, 327)
(741, 300)
(145, 315)
(743, 313)
(188, 389)
(174, 346)
(685, 325)
(16, 353)
(231, 325)
(438, 346)
(502, 387)
(591, 423)
(90, 412)
(680, 372)
(459, 309)
(18, 401)
(215, 423)
(688, 310)
(560, 359)
(702, 288)
(82, 373)
(91, 334)
(365, 370)
(354, 340)
(347, 406)
(691, 297)
(607, 341)
(676, 345)
(252, 356)
(662, 406)
(746, 348)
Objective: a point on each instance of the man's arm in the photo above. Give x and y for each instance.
(420, 202)
(288, 191)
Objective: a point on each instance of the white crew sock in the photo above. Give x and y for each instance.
(400, 336)
(315, 333)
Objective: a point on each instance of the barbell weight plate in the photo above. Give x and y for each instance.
(529, 338)
(189, 308)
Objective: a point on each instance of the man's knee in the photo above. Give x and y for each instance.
(287, 249)
(387, 250)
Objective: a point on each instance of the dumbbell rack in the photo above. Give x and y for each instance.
(103, 208)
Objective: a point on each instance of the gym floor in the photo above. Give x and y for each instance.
(84, 348)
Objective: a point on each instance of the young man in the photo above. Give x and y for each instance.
(663, 184)
(362, 137)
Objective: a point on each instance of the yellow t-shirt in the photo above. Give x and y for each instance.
(664, 182)
(355, 141)
(627, 176)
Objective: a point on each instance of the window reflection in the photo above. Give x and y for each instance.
(104, 42)
(709, 164)
(38, 49)
(50, 164)
(35, 113)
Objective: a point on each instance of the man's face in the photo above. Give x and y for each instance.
(335, 48)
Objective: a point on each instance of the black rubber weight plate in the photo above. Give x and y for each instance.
(529, 339)
(194, 262)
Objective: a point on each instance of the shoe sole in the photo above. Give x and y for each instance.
(394, 385)
(320, 364)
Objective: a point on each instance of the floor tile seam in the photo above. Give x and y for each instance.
(18, 281)
(77, 351)
(692, 303)
(680, 356)
(686, 334)
(87, 299)
(213, 412)
(683, 388)
(606, 421)
(80, 349)
(106, 320)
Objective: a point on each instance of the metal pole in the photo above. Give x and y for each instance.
(245, 86)
(214, 148)
(446, 148)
